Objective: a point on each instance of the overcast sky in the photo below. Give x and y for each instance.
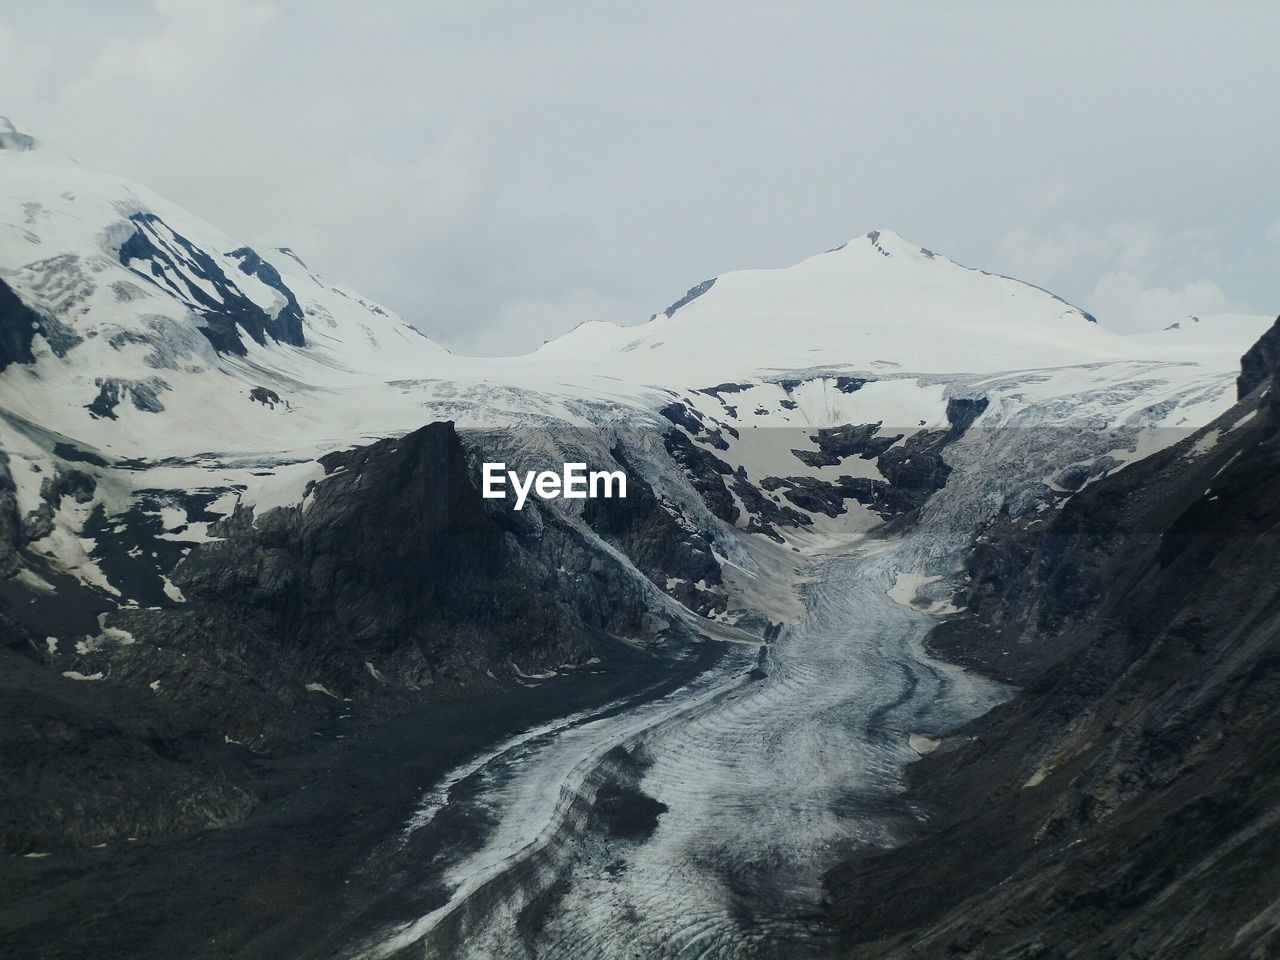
(497, 172)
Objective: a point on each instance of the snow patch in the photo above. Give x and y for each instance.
(321, 688)
(922, 744)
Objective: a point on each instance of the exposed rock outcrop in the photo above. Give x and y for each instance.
(1260, 363)
(161, 255)
(674, 555)
(20, 325)
(391, 585)
(851, 440)
(706, 472)
(1125, 803)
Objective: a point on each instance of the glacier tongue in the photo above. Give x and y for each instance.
(189, 424)
(744, 788)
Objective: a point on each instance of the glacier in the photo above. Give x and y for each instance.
(816, 449)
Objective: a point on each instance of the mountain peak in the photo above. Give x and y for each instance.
(891, 243)
(887, 243)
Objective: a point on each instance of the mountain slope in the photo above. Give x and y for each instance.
(241, 530)
(878, 302)
(1124, 804)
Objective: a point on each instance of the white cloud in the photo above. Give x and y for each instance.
(477, 164)
(452, 175)
(1129, 246)
(195, 45)
(1042, 197)
(1132, 275)
(1124, 303)
(1273, 233)
(22, 68)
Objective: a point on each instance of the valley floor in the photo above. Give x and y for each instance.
(643, 812)
(288, 880)
(699, 824)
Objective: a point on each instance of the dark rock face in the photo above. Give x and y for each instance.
(683, 416)
(963, 411)
(913, 470)
(766, 514)
(394, 584)
(17, 531)
(916, 468)
(69, 451)
(82, 761)
(1124, 804)
(706, 470)
(288, 321)
(18, 326)
(396, 558)
(12, 535)
(66, 482)
(809, 493)
(850, 440)
(660, 546)
(694, 422)
(265, 396)
(87, 762)
(723, 388)
(1260, 364)
(143, 394)
(163, 256)
(693, 294)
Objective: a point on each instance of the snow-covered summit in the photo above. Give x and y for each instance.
(878, 302)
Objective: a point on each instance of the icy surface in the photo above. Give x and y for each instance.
(766, 769)
(768, 776)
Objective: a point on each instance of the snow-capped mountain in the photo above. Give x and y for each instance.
(205, 442)
(141, 307)
(240, 517)
(138, 335)
(878, 302)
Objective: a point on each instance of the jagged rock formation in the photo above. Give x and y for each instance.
(393, 583)
(163, 256)
(19, 326)
(851, 440)
(677, 556)
(1259, 364)
(913, 469)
